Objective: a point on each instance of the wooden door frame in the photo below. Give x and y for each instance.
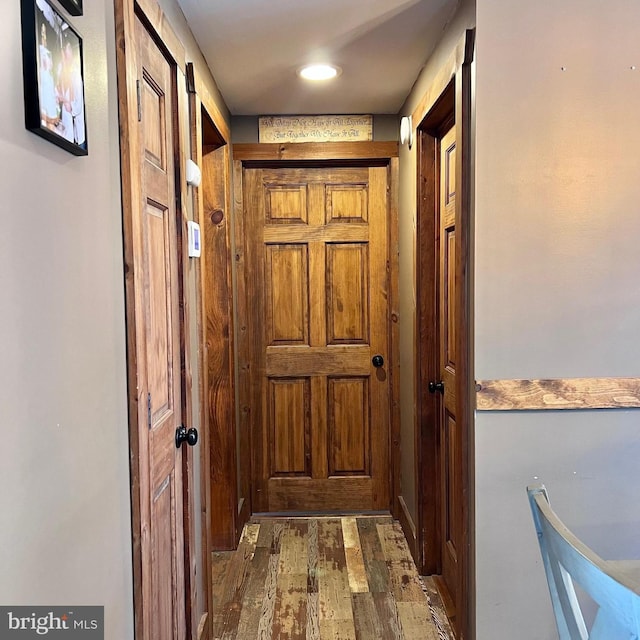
(212, 204)
(274, 154)
(449, 98)
(154, 20)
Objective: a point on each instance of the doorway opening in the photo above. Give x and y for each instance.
(317, 340)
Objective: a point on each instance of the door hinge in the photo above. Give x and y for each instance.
(139, 101)
(149, 411)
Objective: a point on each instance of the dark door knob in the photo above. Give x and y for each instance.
(190, 436)
(436, 386)
(377, 361)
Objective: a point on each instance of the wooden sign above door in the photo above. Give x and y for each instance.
(315, 128)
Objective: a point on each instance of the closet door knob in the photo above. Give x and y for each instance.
(190, 436)
(436, 386)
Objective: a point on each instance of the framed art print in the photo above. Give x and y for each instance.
(52, 64)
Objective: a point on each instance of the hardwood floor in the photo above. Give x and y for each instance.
(334, 578)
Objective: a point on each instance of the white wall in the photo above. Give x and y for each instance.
(65, 525)
(557, 287)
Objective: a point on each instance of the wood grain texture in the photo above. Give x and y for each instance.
(438, 608)
(353, 554)
(426, 356)
(196, 77)
(394, 333)
(196, 577)
(317, 311)
(242, 341)
(293, 579)
(447, 101)
(447, 72)
(559, 393)
(131, 179)
(464, 338)
(415, 619)
(198, 137)
(322, 494)
(159, 23)
(151, 259)
(451, 321)
(218, 365)
(373, 555)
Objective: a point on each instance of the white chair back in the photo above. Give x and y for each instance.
(566, 559)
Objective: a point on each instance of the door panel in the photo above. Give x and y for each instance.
(316, 256)
(348, 404)
(289, 418)
(450, 437)
(287, 286)
(158, 338)
(347, 294)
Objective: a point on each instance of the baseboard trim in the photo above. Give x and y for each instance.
(409, 529)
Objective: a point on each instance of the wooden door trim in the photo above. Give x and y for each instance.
(394, 339)
(242, 343)
(211, 204)
(131, 187)
(275, 154)
(217, 339)
(448, 98)
(275, 151)
(126, 12)
(152, 15)
(198, 86)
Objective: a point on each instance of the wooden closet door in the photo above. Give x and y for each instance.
(158, 336)
(317, 283)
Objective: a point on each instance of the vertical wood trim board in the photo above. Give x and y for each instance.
(394, 333)
(559, 393)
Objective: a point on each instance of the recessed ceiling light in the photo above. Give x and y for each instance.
(319, 71)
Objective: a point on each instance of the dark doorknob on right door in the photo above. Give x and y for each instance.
(377, 361)
(436, 386)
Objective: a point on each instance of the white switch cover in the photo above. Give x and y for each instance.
(195, 247)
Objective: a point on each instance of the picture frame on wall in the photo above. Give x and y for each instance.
(52, 61)
(74, 7)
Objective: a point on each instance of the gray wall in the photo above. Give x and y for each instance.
(557, 291)
(65, 537)
(65, 525)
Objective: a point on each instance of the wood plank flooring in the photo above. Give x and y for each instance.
(334, 578)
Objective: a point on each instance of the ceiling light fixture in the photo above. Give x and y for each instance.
(319, 71)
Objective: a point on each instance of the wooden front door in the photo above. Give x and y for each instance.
(158, 340)
(449, 438)
(316, 246)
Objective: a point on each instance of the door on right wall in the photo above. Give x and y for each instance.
(448, 434)
(444, 356)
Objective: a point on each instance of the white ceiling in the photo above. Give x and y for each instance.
(254, 47)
